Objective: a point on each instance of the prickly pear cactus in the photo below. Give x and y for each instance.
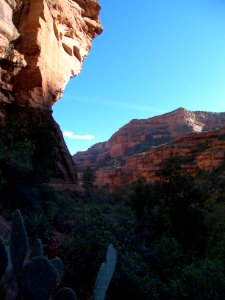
(37, 249)
(58, 265)
(105, 274)
(37, 279)
(65, 294)
(18, 241)
(3, 258)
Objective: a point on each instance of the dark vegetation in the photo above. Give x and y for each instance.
(29, 151)
(148, 143)
(35, 277)
(169, 236)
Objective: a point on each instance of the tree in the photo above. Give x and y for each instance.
(183, 205)
(88, 178)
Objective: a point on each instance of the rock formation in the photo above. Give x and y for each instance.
(140, 147)
(42, 45)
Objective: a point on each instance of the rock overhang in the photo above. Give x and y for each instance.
(43, 44)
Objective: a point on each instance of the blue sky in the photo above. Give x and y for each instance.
(152, 57)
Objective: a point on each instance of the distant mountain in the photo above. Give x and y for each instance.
(139, 148)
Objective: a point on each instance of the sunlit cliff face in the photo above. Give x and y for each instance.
(42, 45)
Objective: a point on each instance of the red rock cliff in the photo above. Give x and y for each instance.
(42, 45)
(140, 147)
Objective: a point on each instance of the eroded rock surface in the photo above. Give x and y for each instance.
(140, 147)
(199, 152)
(42, 45)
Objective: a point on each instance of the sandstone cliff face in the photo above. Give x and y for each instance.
(42, 45)
(140, 147)
(198, 152)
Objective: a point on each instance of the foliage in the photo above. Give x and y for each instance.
(88, 179)
(170, 169)
(29, 150)
(169, 236)
(94, 227)
(173, 206)
(3, 258)
(2, 291)
(36, 276)
(2, 180)
(203, 280)
(8, 50)
(37, 226)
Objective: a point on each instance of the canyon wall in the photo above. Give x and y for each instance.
(202, 152)
(140, 147)
(42, 45)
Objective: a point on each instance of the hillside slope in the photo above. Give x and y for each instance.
(139, 147)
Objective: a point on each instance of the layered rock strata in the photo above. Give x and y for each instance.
(200, 152)
(140, 147)
(42, 45)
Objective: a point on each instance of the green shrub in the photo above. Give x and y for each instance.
(3, 258)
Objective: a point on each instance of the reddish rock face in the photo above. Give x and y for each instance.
(198, 152)
(140, 147)
(42, 45)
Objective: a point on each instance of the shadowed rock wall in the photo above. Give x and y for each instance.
(42, 45)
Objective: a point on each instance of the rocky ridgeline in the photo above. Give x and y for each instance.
(42, 45)
(140, 147)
